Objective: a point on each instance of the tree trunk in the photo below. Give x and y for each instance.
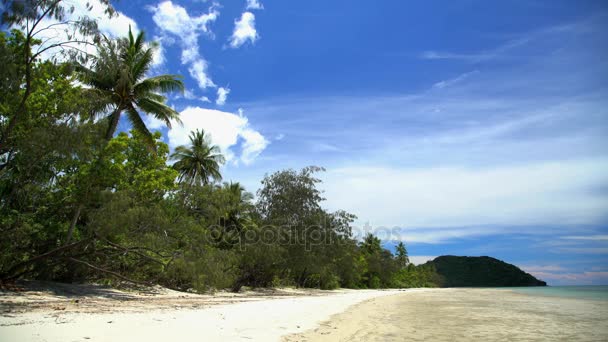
(114, 118)
(73, 224)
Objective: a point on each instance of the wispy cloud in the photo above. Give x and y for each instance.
(584, 250)
(586, 238)
(542, 268)
(504, 49)
(570, 278)
(498, 151)
(455, 80)
(175, 22)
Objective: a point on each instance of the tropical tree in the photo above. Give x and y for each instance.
(118, 83)
(32, 17)
(402, 257)
(371, 244)
(238, 196)
(200, 162)
(238, 205)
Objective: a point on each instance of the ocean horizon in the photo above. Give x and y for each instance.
(592, 292)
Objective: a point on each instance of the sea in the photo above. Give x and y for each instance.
(593, 292)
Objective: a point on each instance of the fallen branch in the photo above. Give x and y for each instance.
(117, 275)
(10, 274)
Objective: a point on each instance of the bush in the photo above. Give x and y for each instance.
(374, 283)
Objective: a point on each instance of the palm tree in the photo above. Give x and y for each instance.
(238, 204)
(402, 257)
(118, 83)
(238, 195)
(235, 213)
(200, 162)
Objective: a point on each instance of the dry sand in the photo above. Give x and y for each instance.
(91, 313)
(81, 313)
(466, 315)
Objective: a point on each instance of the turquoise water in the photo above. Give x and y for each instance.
(599, 292)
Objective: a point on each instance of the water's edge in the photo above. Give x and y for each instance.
(591, 292)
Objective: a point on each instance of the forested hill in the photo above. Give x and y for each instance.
(461, 271)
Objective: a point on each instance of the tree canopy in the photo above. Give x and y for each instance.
(83, 202)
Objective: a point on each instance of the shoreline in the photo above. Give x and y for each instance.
(465, 314)
(119, 316)
(94, 313)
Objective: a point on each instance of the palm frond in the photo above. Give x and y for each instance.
(142, 63)
(159, 110)
(162, 83)
(139, 125)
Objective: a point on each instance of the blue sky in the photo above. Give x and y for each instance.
(460, 127)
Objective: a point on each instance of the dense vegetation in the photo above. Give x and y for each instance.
(458, 271)
(80, 201)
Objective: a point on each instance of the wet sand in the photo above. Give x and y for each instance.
(465, 315)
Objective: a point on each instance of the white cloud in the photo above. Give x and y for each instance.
(115, 27)
(222, 95)
(153, 123)
(159, 53)
(244, 30)
(254, 144)
(173, 19)
(189, 95)
(226, 129)
(420, 259)
(254, 5)
(532, 194)
(198, 70)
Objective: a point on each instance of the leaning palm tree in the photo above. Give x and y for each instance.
(118, 83)
(200, 162)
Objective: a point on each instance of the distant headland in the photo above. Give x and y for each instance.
(484, 271)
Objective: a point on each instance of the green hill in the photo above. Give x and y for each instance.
(461, 271)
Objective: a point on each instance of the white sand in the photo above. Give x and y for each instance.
(298, 315)
(260, 319)
(465, 315)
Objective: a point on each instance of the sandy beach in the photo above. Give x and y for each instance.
(98, 314)
(466, 315)
(88, 313)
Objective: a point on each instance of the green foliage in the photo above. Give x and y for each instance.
(118, 83)
(81, 203)
(199, 163)
(402, 256)
(484, 271)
